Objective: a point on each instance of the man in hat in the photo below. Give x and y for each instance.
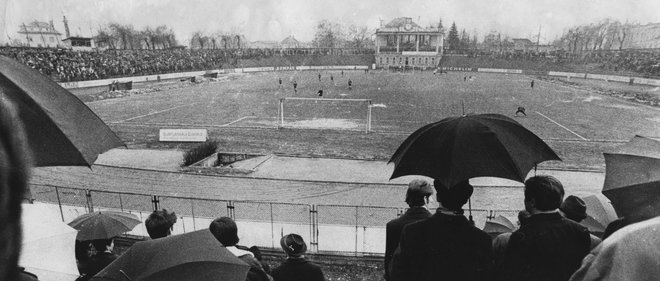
(548, 246)
(296, 267)
(445, 246)
(160, 223)
(574, 208)
(226, 232)
(417, 196)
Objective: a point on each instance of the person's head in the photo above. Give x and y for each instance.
(574, 208)
(102, 245)
(418, 193)
(543, 193)
(14, 175)
(159, 223)
(293, 245)
(455, 197)
(225, 230)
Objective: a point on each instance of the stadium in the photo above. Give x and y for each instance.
(298, 161)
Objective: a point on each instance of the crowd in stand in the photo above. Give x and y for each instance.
(640, 62)
(67, 65)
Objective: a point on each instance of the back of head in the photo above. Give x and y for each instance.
(417, 192)
(101, 244)
(455, 197)
(574, 208)
(546, 192)
(14, 174)
(159, 223)
(293, 245)
(225, 230)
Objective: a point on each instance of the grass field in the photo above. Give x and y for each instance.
(242, 112)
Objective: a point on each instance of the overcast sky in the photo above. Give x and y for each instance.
(276, 19)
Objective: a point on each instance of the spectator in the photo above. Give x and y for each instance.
(547, 246)
(444, 246)
(501, 242)
(574, 208)
(417, 196)
(83, 251)
(225, 230)
(630, 254)
(14, 176)
(102, 258)
(296, 267)
(160, 223)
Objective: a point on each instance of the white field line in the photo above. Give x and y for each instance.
(560, 125)
(236, 121)
(157, 112)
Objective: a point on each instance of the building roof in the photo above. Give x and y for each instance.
(401, 22)
(290, 41)
(405, 24)
(77, 38)
(38, 27)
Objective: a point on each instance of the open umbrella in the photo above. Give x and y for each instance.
(632, 177)
(499, 224)
(600, 213)
(190, 256)
(103, 224)
(61, 130)
(48, 243)
(459, 148)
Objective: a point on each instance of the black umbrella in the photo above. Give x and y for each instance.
(61, 130)
(197, 256)
(459, 148)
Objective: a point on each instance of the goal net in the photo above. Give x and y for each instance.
(320, 113)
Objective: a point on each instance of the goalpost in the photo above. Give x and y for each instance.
(322, 113)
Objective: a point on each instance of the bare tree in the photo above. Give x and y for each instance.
(359, 36)
(328, 34)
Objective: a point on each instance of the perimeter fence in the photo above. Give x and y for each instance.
(327, 228)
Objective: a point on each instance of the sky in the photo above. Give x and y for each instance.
(269, 20)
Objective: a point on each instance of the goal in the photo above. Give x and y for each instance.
(320, 113)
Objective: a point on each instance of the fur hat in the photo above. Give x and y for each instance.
(293, 244)
(418, 189)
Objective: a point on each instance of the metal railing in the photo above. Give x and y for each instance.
(337, 228)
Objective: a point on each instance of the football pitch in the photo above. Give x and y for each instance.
(243, 111)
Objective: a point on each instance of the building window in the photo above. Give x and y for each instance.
(387, 60)
(426, 61)
(381, 60)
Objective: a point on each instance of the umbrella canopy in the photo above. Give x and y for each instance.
(48, 243)
(499, 224)
(632, 177)
(600, 213)
(61, 130)
(103, 224)
(459, 148)
(190, 256)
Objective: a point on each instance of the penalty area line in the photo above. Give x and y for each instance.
(560, 125)
(156, 112)
(236, 121)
